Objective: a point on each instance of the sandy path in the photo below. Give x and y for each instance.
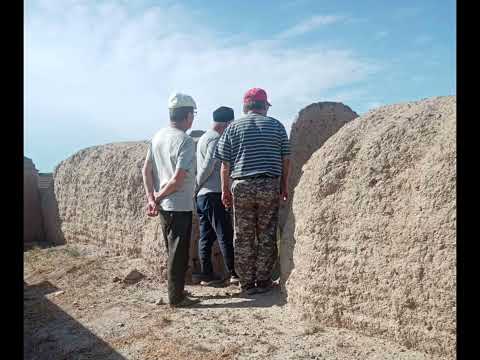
(74, 310)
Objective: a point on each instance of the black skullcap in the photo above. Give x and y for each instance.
(223, 114)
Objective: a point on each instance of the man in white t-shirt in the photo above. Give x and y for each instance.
(169, 181)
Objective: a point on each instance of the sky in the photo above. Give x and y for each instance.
(98, 72)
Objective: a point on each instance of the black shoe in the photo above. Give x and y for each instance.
(186, 302)
(212, 279)
(188, 293)
(264, 286)
(199, 276)
(263, 290)
(248, 289)
(234, 279)
(251, 291)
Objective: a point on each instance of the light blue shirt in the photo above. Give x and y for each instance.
(208, 168)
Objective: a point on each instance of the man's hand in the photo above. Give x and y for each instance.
(225, 180)
(284, 193)
(152, 208)
(227, 199)
(147, 173)
(157, 197)
(284, 179)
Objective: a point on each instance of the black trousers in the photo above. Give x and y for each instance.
(215, 224)
(177, 231)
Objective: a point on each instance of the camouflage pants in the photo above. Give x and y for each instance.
(255, 212)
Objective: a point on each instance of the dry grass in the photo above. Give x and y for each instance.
(271, 348)
(258, 316)
(156, 347)
(71, 251)
(165, 320)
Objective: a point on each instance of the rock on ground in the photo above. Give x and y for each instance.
(373, 227)
(133, 276)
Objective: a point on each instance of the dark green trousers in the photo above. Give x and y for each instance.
(177, 230)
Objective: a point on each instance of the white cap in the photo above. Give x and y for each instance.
(177, 100)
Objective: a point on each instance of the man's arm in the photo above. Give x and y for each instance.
(285, 153)
(185, 163)
(147, 173)
(284, 179)
(208, 165)
(173, 185)
(225, 178)
(222, 153)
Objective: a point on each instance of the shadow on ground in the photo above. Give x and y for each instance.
(50, 333)
(253, 301)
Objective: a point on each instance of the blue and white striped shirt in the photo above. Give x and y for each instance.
(253, 145)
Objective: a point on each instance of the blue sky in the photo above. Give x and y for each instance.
(101, 71)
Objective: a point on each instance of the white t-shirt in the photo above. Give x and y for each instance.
(172, 149)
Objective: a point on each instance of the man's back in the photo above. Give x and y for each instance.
(254, 144)
(173, 149)
(208, 168)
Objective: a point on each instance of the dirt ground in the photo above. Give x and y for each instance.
(75, 307)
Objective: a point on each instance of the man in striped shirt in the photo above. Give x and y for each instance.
(254, 151)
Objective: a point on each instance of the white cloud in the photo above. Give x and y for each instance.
(309, 25)
(102, 70)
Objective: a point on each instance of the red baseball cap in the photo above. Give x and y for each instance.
(255, 94)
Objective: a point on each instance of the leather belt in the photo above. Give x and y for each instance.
(256, 176)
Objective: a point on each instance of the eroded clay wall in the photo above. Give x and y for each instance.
(373, 227)
(101, 200)
(32, 213)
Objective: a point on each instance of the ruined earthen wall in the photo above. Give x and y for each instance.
(314, 125)
(50, 216)
(373, 228)
(100, 198)
(32, 214)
